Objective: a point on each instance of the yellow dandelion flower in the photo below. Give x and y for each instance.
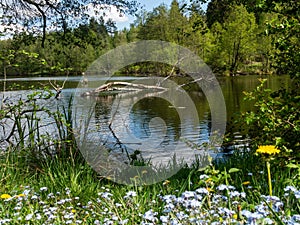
(209, 189)
(246, 182)
(208, 180)
(235, 216)
(166, 182)
(5, 196)
(20, 195)
(73, 211)
(267, 149)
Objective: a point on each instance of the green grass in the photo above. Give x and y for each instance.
(88, 198)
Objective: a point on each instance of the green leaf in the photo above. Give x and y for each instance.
(233, 170)
(291, 165)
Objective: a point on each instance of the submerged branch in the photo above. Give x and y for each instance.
(122, 86)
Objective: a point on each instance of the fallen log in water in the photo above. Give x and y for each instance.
(122, 87)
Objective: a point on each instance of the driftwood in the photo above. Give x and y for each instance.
(122, 87)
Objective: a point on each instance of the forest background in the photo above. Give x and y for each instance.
(232, 37)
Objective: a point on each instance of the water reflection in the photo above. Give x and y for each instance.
(143, 123)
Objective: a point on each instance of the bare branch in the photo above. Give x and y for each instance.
(121, 86)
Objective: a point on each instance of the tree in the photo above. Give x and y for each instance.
(217, 10)
(35, 16)
(177, 24)
(198, 36)
(156, 25)
(238, 37)
(287, 41)
(265, 49)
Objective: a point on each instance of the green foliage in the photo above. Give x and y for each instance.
(34, 17)
(237, 39)
(287, 30)
(67, 52)
(275, 119)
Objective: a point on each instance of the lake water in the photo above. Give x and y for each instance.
(146, 122)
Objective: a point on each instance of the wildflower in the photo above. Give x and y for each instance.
(166, 182)
(20, 195)
(209, 189)
(5, 196)
(290, 188)
(150, 215)
(164, 219)
(209, 180)
(34, 197)
(29, 216)
(118, 205)
(105, 195)
(38, 216)
(246, 183)
(203, 177)
(43, 189)
(268, 221)
(108, 221)
(194, 203)
(188, 194)
(114, 217)
(296, 218)
(169, 198)
(26, 192)
(267, 149)
(50, 195)
(234, 194)
(3, 221)
(61, 202)
(181, 215)
(297, 194)
(222, 187)
(124, 221)
(203, 191)
(130, 194)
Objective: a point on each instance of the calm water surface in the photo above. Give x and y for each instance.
(151, 124)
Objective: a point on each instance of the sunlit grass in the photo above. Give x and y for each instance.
(61, 192)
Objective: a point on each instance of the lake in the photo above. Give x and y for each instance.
(146, 122)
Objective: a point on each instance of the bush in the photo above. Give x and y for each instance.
(275, 119)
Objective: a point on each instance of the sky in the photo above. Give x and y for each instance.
(148, 5)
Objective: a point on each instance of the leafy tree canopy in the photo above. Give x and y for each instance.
(39, 16)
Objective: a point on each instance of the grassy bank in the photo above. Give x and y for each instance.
(60, 191)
